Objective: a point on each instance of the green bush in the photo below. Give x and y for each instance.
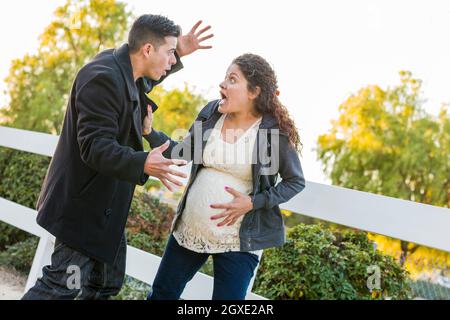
(149, 223)
(10, 235)
(21, 177)
(317, 263)
(133, 290)
(20, 255)
(5, 155)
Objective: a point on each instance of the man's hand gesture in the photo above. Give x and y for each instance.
(191, 41)
(158, 166)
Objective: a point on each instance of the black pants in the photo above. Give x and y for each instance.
(73, 275)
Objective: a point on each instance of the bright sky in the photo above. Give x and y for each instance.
(322, 50)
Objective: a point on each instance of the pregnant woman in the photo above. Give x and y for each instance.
(230, 207)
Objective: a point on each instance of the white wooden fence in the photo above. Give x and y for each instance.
(410, 221)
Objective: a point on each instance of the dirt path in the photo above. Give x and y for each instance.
(12, 284)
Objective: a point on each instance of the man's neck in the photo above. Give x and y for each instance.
(135, 66)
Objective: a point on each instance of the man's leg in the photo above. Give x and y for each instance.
(177, 268)
(233, 272)
(63, 279)
(106, 280)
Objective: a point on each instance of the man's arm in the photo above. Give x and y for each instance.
(98, 106)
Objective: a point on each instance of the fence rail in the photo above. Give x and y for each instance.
(406, 220)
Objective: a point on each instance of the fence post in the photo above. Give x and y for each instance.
(42, 258)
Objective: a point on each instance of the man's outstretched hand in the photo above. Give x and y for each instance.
(158, 166)
(191, 41)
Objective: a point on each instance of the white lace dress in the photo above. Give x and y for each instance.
(225, 164)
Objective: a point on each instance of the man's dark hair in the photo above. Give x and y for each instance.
(152, 29)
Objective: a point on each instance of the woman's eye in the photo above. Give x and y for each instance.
(232, 80)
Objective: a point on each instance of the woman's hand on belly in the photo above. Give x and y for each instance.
(241, 205)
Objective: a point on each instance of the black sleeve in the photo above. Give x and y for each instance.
(98, 105)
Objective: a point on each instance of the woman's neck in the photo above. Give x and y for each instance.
(242, 118)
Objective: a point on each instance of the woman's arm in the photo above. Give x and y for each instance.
(293, 181)
(157, 138)
(176, 150)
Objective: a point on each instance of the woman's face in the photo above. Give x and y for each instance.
(233, 90)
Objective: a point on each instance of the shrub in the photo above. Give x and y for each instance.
(5, 155)
(149, 223)
(21, 177)
(317, 263)
(20, 255)
(10, 235)
(133, 290)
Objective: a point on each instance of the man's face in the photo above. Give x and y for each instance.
(160, 61)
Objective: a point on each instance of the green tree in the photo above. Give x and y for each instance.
(385, 143)
(38, 85)
(177, 110)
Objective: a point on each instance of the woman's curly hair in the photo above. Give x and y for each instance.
(260, 74)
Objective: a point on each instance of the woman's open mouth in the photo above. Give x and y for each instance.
(224, 98)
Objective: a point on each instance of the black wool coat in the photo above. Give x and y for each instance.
(99, 158)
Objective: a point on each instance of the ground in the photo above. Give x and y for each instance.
(12, 284)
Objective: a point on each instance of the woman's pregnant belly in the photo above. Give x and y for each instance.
(207, 189)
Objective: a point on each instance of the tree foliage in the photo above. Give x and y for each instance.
(177, 111)
(385, 143)
(38, 84)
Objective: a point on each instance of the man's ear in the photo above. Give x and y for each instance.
(255, 93)
(147, 49)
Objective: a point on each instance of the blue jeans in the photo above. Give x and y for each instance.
(233, 272)
(97, 280)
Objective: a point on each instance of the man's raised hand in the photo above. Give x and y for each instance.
(158, 166)
(191, 41)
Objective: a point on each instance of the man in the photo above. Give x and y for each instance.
(99, 159)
